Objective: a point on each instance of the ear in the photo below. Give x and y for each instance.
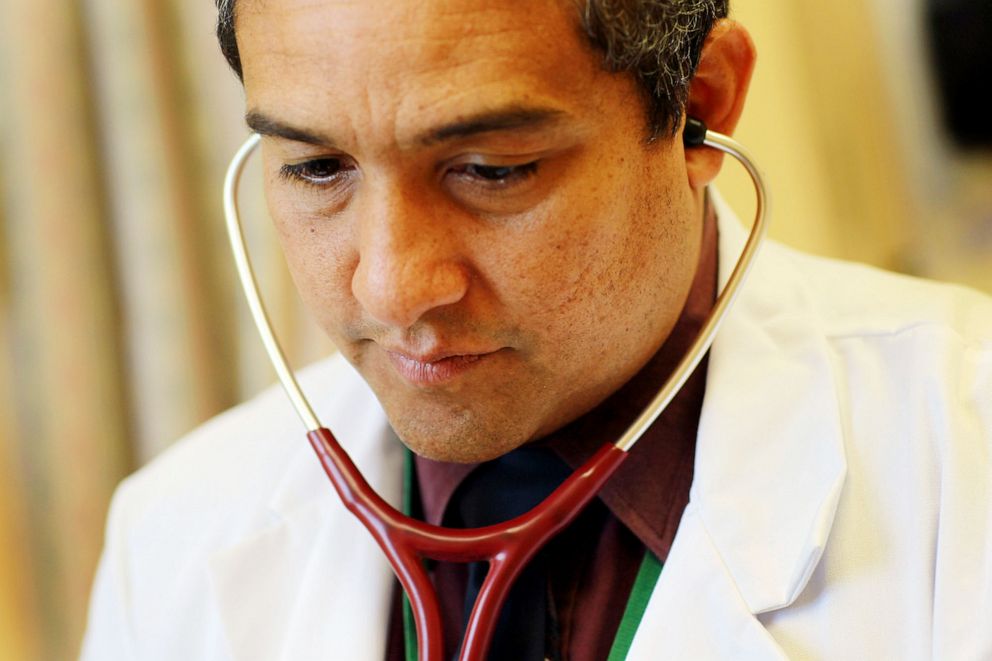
(717, 93)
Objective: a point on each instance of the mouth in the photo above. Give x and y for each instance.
(435, 369)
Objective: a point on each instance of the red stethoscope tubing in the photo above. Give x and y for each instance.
(507, 546)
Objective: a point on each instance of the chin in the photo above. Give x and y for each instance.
(460, 437)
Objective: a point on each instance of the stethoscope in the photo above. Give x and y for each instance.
(508, 546)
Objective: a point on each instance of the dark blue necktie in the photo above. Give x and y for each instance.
(494, 492)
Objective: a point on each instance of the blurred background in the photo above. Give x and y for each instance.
(120, 324)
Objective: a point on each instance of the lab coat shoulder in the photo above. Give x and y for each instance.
(224, 482)
(913, 368)
(857, 299)
(843, 472)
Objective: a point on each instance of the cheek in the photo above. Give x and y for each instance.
(550, 285)
(611, 265)
(569, 255)
(319, 256)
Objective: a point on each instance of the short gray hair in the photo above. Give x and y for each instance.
(658, 41)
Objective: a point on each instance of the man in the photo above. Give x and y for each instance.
(489, 209)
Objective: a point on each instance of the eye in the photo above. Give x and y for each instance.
(496, 176)
(317, 172)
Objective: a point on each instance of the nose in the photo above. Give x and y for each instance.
(409, 261)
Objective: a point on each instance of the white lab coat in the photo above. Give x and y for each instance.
(841, 508)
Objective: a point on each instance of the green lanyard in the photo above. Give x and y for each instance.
(637, 603)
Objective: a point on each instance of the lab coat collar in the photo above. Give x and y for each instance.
(770, 460)
(769, 470)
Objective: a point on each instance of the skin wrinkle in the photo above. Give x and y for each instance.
(593, 251)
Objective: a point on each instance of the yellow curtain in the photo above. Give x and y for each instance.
(843, 119)
(120, 323)
(119, 317)
(63, 376)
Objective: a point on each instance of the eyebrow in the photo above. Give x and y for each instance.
(264, 125)
(510, 118)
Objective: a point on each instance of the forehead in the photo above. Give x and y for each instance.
(390, 60)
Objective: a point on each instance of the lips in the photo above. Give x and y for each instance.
(434, 370)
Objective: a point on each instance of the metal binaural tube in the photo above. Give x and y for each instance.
(250, 286)
(721, 307)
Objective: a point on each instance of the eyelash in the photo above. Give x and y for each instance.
(497, 176)
(306, 172)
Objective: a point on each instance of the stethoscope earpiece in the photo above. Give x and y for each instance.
(694, 132)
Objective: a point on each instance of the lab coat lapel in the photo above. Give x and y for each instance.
(696, 611)
(313, 584)
(769, 470)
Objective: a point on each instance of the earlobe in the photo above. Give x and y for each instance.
(717, 93)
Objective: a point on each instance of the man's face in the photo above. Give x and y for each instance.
(469, 207)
